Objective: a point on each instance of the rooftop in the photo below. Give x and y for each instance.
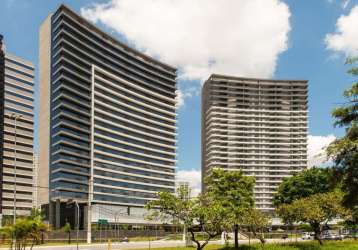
(215, 77)
(115, 41)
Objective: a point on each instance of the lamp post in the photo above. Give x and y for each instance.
(78, 221)
(15, 117)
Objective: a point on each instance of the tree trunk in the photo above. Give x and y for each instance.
(204, 244)
(33, 243)
(198, 246)
(12, 243)
(263, 241)
(317, 234)
(319, 240)
(69, 237)
(260, 237)
(236, 236)
(197, 242)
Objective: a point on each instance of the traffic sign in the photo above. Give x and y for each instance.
(102, 222)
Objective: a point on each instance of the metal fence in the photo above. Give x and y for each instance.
(104, 235)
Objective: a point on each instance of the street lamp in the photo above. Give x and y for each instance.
(78, 217)
(15, 117)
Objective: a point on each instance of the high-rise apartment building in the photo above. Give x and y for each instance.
(258, 126)
(107, 130)
(17, 134)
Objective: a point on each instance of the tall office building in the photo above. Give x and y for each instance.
(107, 123)
(258, 126)
(17, 133)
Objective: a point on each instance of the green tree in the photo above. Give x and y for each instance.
(235, 191)
(303, 184)
(344, 151)
(67, 229)
(256, 221)
(201, 214)
(316, 210)
(36, 214)
(37, 229)
(27, 231)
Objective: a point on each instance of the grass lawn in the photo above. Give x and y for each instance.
(331, 245)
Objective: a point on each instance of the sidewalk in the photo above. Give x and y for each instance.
(144, 244)
(104, 246)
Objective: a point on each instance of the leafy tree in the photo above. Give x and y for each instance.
(234, 191)
(199, 214)
(38, 227)
(303, 184)
(316, 210)
(256, 221)
(26, 231)
(38, 217)
(36, 214)
(344, 151)
(67, 229)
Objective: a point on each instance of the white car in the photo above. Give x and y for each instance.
(307, 236)
(331, 236)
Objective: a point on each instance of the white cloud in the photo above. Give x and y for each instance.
(343, 3)
(193, 177)
(180, 98)
(185, 93)
(239, 37)
(317, 149)
(345, 38)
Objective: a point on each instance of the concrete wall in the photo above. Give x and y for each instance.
(44, 110)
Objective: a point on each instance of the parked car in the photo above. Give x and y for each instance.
(331, 236)
(307, 236)
(349, 234)
(346, 235)
(125, 239)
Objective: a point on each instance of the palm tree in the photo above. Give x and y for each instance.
(25, 230)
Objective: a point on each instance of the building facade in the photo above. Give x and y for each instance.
(17, 134)
(36, 188)
(107, 123)
(258, 126)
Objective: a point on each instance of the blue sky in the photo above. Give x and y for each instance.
(303, 54)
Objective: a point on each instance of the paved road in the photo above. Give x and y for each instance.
(138, 245)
